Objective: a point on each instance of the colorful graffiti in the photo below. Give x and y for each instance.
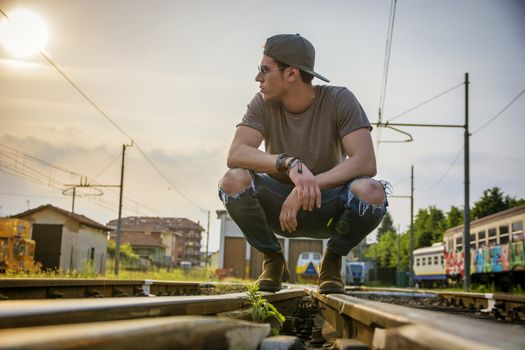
(499, 258)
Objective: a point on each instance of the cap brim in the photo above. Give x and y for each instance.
(317, 75)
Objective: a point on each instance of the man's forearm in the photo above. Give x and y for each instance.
(247, 157)
(349, 169)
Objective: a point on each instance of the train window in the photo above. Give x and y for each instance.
(317, 256)
(492, 232)
(504, 239)
(503, 229)
(429, 260)
(517, 227)
(472, 237)
(481, 235)
(493, 242)
(436, 261)
(441, 259)
(304, 256)
(423, 261)
(459, 240)
(417, 261)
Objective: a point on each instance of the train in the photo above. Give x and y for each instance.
(307, 269)
(17, 249)
(429, 270)
(308, 263)
(356, 273)
(497, 253)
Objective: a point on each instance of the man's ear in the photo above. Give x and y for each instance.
(293, 73)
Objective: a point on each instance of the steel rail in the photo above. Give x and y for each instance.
(27, 313)
(503, 303)
(53, 288)
(388, 326)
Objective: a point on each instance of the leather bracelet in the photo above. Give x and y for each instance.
(292, 163)
(280, 163)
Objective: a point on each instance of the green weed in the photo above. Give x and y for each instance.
(264, 311)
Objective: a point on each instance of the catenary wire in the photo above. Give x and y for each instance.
(425, 102)
(500, 113)
(445, 173)
(384, 80)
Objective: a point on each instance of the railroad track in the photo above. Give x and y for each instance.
(58, 288)
(504, 307)
(219, 322)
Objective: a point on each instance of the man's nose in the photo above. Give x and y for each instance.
(259, 77)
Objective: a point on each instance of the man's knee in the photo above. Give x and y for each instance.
(235, 180)
(369, 190)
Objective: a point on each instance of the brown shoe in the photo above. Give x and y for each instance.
(274, 272)
(330, 281)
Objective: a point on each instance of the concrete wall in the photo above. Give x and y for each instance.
(77, 241)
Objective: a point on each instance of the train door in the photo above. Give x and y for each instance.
(48, 239)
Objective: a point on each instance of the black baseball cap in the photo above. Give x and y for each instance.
(293, 50)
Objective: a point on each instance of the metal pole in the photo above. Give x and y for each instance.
(411, 260)
(119, 221)
(466, 220)
(73, 205)
(207, 261)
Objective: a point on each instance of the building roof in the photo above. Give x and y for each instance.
(84, 220)
(142, 240)
(156, 223)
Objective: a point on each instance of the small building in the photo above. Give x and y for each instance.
(178, 239)
(244, 261)
(67, 241)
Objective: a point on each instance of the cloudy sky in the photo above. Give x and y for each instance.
(175, 76)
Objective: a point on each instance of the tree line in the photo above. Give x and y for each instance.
(429, 225)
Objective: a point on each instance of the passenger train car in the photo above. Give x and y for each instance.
(497, 252)
(429, 267)
(497, 248)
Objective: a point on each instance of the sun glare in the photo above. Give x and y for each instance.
(24, 33)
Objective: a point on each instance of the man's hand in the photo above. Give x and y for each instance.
(288, 216)
(307, 187)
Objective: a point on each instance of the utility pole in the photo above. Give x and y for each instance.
(466, 219)
(119, 220)
(208, 241)
(411, 261)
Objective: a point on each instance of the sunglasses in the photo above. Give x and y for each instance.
(265, 69)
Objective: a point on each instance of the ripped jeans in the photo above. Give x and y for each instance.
(343, 217)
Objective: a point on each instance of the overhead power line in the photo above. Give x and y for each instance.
(107, 117)
(501, 112)
(425, 102)
(23, 165)
(384, 80)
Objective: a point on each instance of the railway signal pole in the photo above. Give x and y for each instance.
(466, 218)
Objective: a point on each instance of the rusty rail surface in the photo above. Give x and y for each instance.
(191, 322)
(57, 288)
(502, 306)
(388, 326)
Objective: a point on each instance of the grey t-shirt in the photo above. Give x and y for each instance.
(314, 135)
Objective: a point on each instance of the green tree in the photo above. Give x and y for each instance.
(429, 226)
(493, 201)
(454, 217)
(387, 225)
